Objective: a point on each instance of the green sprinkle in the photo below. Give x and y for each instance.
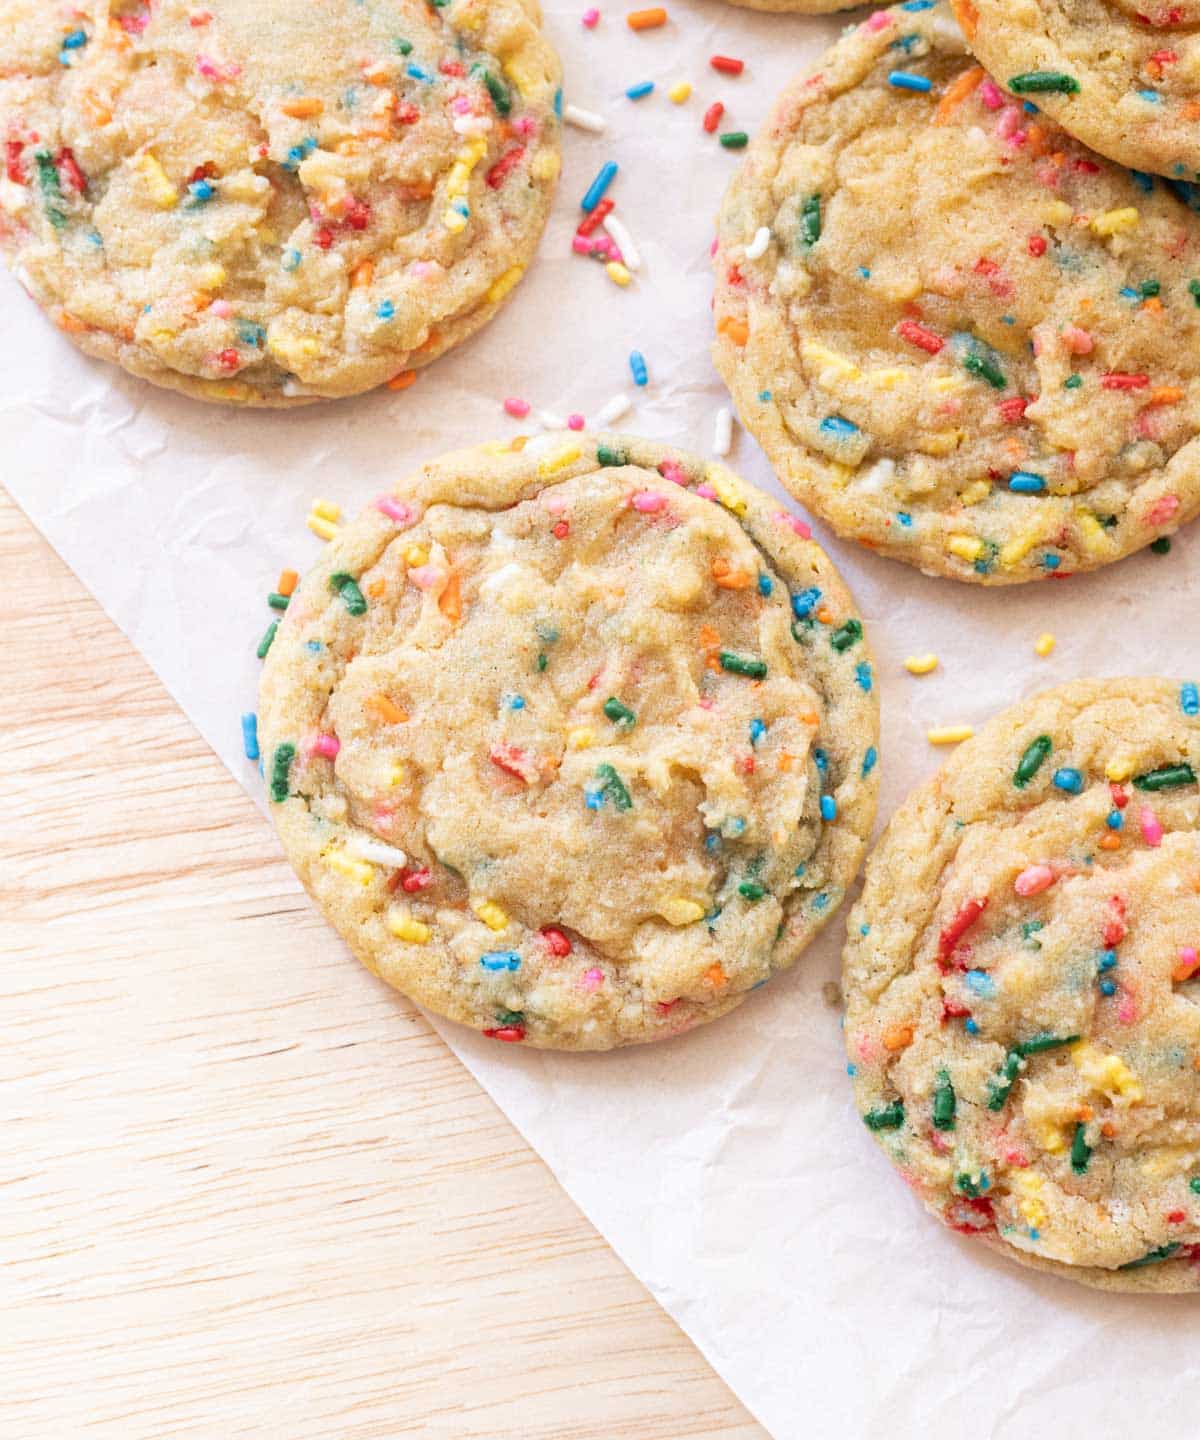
(1081, 1151)
(1161, 546)
(1043, 1041)
(510, 1017)
(402, 47)
(347, 587)
(607, 456)
(986, 370)
(1170, 777)
(1194, 1184)
(849, 634)
(542, 662)
(739, 665)
(1000, 1086)
(972, 1189)
(1149, 288)
(614, 787)
(888, 1117)
(1044, 82)
(268, 640)
(945, 1103)
(735, 140)
(280, 767)
(1073, 383)
(1164, 1252)
(1032, 761)
(50, 188)
(752, 890)
(1194, 290)
(619, 714)
(277, 601)
(810, 221)
(501, 98)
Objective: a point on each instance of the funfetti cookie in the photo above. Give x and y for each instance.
(264, 202)
(1022, 983)
(1123, 76)
(573, 741)
(965, 341)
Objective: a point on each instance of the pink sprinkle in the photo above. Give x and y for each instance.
(212, 71)
(670, 471)
(1127, 1010)
(879, 21)
(525, 126)
(518, 409)
(648, 501)
(1189, 961)
(421, 269)
(712, 249)
(1077, 341)
(582, 245)
(991, 95)
(797, 526)
(426, 576)
(591, 17)
(1162, 510)
(1152, 830)
(1009, 122)
(575, 422)
(556, 504)
(460, 105)
(592, 979)
(398, 511)
(1034, 880)
(327, 746)
(706, 492)
(222, 309)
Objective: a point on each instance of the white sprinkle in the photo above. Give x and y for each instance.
(540, 444)
(757, 246)
(620, 233)
(549, 421)
(948, 31)
(617, 407)
(723, 431)
(376, 851)
(585, 119)
(472, 124)
(878, 477)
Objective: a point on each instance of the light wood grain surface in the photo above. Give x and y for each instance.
(244, 1189)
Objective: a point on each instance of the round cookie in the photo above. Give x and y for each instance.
(962, 339)
(1123, 76)
(1022, 983)
(573, 740)
(795, 7)
(266, 203)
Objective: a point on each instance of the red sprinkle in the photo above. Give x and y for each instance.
(1012, 410)
(920, 337)
(69, 171)
(562, 530)
(595, 219)
(712, 116)
(958, 927)
(511, 1033)
(1117, 381)
(555, 941)
(358, 214)
(414, 880)
(323, 239)
(504, 167)
(726, 66)
(1037, 244)
(229, 359)
(12, 162)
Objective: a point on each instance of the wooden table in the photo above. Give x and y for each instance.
(245, 1189)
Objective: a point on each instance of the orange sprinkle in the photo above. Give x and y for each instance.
(377, 588)
(1165, 395)
(709, 637)
(402, 381)
(1084, 1112)
(303, 107)
(450, 600)
(867, 542)
(1184, 970)
(1035, 141)
(288, 580)
(956, 92)
(898, 1037)
(785, 759)
(1153, 304)
(736, 331)
(809, 717)
(967, 16)
(825, 615)
(385, 708)
(728, 578)
(1191, 111)
(716, 977)
(95, 111)
(1110, 842)
(70, 323)
(1108, 1129)
(646, 19)
(362, 274)
(518, 443)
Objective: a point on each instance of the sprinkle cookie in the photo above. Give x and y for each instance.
(962, 339)
(1023, 986)
(1123, 76)
(264, 202)
(574, 742)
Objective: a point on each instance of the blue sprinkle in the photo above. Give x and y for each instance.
(1115, 820)
(799, 871)
(1142, 180)
(862, 673)
(914, 7)
(1035, 1234)
(870, 760)
(906, 80)
(638, 92)
(805, 602)
(736, 825)
(820, 901)
(593, 799)
(1127, 292)
(765, 584)
(981, 983)
(500, 960)
(764, 396)
(757, 730)
(75, 40)
(828, 808)
(637, 367)
(820, 759)
(904, 518)
(595, 191)
(838, 425)
(386, 311)
(250, 735)
(291, 259)
(558, 103)
(1025, 482)
(1051, 562)
(864, 272)
(314, 645)
(1069, 780)
(1151, 96)
(251, 334)
(515, 702)
(415, 72)
(971, 1027)
(711, 842)
(851, 1070)
(1189, 699)
(1108, 987)
(202, 191)
(1107, 961)
(864, 930)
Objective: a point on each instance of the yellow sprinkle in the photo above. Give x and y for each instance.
(397, 777)
(617, 273)
(977, 493)
(921, 664)
(727, 492)
(830, 359)
(1094, 535)
(1044, 644)
(944, 443)
(950, 734)
(415, 555)
(948, 384)
(581, 738)
(1050, 1137)
(1119, 768)
(545, 165)
(1017, 548)
(966, 547)
(356, 870)
(162, 192)
(526, 69)
(558, 459)
(884, 379)
(491, 914)
(211, 276)
(326, 529)
(404, 927)
(1059, 213)
(501, 287)
(326, 509)
(1116, 222)
(1108, 1073)
(454, 221)
(680, 911)
(292, 349)
(679, 92)
(1027, 1183)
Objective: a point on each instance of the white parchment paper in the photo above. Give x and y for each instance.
(728, 1168)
